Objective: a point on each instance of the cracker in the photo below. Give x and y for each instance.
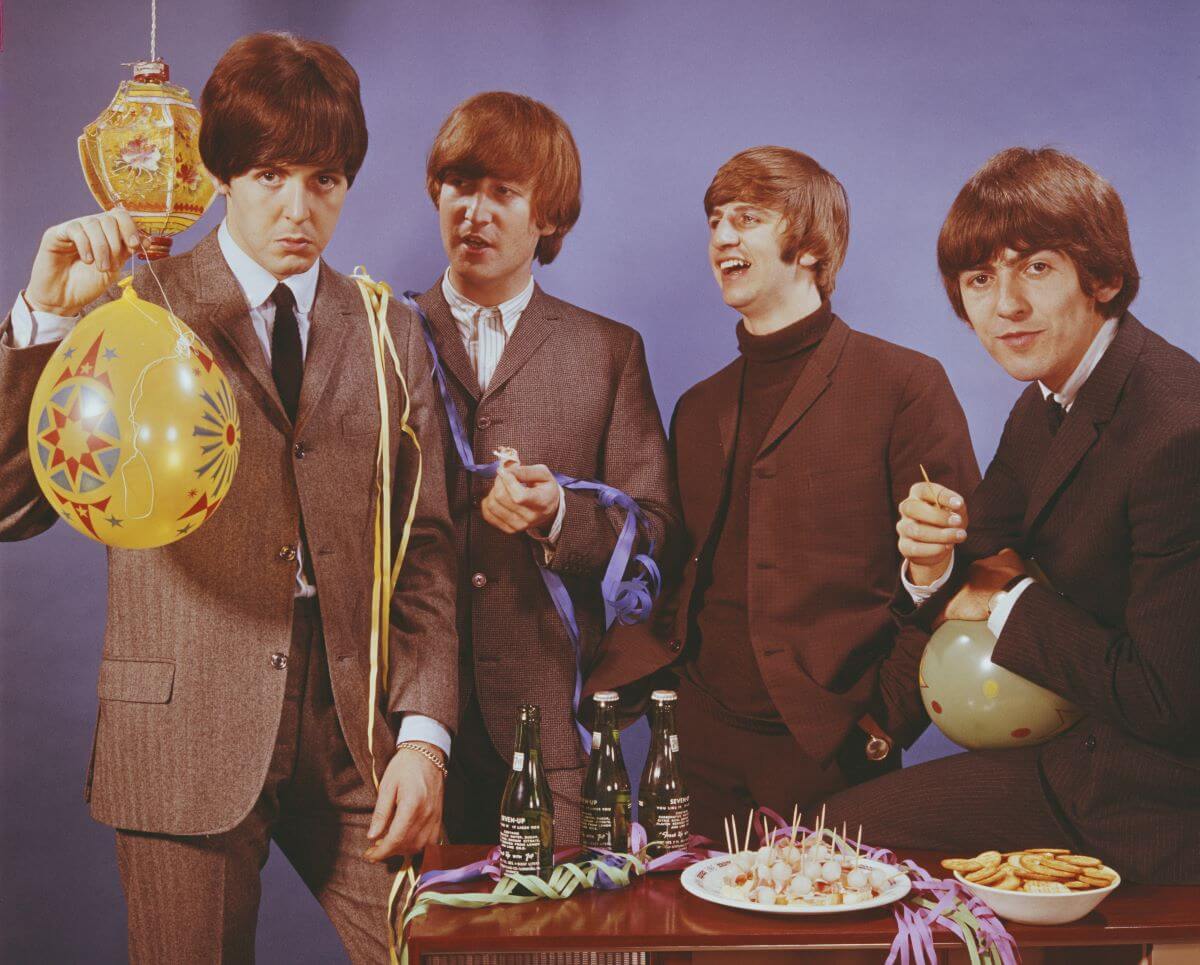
(1082, 860)
(1046, 887)
(1010, 883)
(1036, 865)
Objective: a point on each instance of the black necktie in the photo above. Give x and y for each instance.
(287, 362)
(1055, 414)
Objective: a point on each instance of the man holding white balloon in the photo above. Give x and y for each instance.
(238, 697)
(1095, 484)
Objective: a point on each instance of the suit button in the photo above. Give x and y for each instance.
(1090, 743)
(476, 501)
(299, 451)
(674, 646)
(479, 581)
(279, 661)
(696, 560)
(483, 422)
(287, 554)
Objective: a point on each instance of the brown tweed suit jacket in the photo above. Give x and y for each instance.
(1109, 507)
(190, 700)
(571, 391)
(823, 564)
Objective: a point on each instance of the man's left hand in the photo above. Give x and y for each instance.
(985, 579)
(408, 810)
(522, 498)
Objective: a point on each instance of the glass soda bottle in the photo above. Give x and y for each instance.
(607, 805)
(663, 801)
(526, 809)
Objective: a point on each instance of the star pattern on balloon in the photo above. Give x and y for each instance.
(78, 439)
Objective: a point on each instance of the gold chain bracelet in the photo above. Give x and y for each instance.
(432, 756)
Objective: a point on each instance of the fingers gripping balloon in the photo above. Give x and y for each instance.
(133, 431)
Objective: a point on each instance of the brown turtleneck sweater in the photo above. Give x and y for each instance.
(724, 664)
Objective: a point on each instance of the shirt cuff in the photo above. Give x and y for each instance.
(1004, 605)
(37, 328)
(550, 543)
(418, 727)
(919, 594)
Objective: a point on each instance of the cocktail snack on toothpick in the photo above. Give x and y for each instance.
(814, 875)
(508, 457)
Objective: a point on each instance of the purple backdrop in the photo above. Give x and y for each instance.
(901, 101)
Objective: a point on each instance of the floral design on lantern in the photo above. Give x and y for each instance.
(140, 156)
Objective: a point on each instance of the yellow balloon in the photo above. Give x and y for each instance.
(133, 431)
(979, 704)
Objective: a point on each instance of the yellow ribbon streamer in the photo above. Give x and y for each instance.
(375, 297)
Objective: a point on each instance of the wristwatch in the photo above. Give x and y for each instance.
(994, 600)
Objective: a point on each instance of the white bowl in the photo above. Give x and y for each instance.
(1038, 909)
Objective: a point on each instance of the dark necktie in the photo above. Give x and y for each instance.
(1055, 414)
(287, 361)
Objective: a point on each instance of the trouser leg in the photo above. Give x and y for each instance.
(325, 811)
(194, 898)
(969, 802)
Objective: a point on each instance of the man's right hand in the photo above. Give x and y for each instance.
(933, 520)
(78, 260)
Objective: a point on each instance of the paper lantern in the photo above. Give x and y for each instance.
(133, 431)
(143, 152)
(978, 704)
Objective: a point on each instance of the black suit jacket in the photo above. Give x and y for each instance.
(1109, 507)
(841, 454)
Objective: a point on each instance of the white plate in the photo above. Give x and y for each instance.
(705, 878)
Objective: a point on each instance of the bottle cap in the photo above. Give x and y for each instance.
(531, 712)
(606, 697)
(664, 695)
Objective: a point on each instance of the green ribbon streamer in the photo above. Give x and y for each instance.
(564, 881)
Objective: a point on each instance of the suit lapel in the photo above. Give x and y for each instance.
(729, 387)
(225, 306)
(537, 322)
(448, 340)
(1093, 408)
(333, 310)
(812, 382)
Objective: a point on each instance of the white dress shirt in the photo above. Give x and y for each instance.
(257, 284)
(1065, 397)
(485, 331)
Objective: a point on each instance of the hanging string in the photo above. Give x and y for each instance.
(153, 29)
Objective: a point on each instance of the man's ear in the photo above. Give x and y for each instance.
(1106, 291)
(807, 260)
(220, 186)
(545, 230)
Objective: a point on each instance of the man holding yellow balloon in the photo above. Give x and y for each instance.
(243, 696)
(1094, 489)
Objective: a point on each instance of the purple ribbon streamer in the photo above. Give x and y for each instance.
(913, 944)
(628, 600)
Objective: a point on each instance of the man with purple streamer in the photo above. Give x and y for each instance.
(563, 395)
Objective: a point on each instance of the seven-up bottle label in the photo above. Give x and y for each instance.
(520, 845)
(666, 820)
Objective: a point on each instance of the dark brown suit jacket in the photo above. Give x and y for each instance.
(190, 701)
(571, 391)
(839, 457)
(1109, 507)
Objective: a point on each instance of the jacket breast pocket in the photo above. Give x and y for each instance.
(136, 681)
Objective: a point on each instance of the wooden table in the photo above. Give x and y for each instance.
(655, 915)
